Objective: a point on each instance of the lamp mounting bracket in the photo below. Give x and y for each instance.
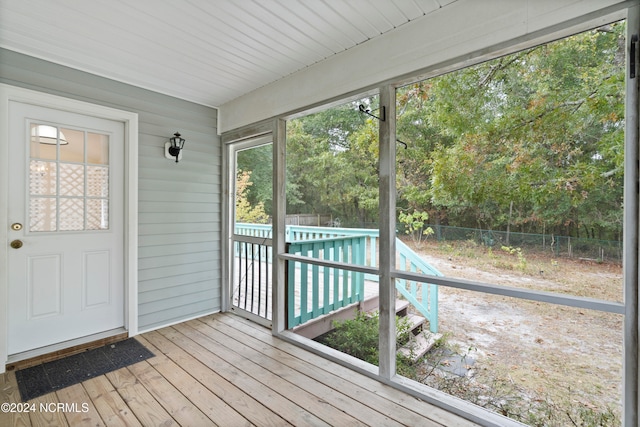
(167, 152)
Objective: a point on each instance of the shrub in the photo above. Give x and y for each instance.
(415, 225)
(359, 338)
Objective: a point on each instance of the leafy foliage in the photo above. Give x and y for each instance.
(332, 160)
(245, 211)
(532, 141)
(540, 131)
(257, 161)
(359, 338)
(415, 225)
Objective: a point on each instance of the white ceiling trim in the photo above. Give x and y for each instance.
(204, 51)
(445, 38)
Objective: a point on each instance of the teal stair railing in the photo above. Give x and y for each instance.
(423, 296)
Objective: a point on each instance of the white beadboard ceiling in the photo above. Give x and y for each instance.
(204, 51)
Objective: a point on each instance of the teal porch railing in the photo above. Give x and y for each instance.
(315, 290)
(254, 230)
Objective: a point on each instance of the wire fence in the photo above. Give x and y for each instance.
(561, 246)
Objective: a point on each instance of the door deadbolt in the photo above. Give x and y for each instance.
(16, 244)
(16, 226)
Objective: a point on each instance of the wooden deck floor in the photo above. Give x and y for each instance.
(226, 371)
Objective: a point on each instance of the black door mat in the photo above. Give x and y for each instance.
(51, 376)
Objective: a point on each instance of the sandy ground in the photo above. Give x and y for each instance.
(552, 351)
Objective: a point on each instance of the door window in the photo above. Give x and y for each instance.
(68, 179)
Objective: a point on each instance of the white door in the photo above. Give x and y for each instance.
(66, 255)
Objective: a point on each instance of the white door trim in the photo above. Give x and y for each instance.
(12, 93)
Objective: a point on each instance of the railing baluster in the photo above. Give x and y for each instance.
(267, 257)
(259, 278)
(353, 274)
(246, 274)
(238, 246)
(304, 291)
(253, 276)
(315, 270)
(433, 307)
(291, 294)
(414, 290)
(362, 260)
(326, 254)
(336, 276)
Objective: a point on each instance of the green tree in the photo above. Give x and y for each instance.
(332, 161)
(258, 162)
(531, 139)
(246, 211)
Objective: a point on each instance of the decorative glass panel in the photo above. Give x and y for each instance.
(42, 214)
(71, 214)
(97, 214)
(71, 179)
(44, 140)
(97, 181)
(97, 148)
(42, 178)
(73, 150)
(71, 168)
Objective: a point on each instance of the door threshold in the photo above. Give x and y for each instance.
(57, 351)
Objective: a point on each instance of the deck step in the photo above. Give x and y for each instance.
(402, 307)
(373, 303)
(419, 345)
(415, 323)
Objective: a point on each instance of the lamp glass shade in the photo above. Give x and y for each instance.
(177, 141)
(45, 134)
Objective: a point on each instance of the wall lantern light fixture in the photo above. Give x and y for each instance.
(173, 147)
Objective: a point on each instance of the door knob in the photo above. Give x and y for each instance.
(16, 244)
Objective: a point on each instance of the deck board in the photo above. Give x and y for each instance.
(47, 418)
(403, 405)
(298, 389)
(171, 398)
(84, 413)
(234, 372)
(226, 371)
(109, 404)
(229, 392)
(147, 409)
(363, 397)
(9, 394)
(203, 398)
(270, 359)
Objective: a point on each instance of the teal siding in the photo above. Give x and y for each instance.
(179, 208)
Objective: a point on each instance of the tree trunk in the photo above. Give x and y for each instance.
(509, 221)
